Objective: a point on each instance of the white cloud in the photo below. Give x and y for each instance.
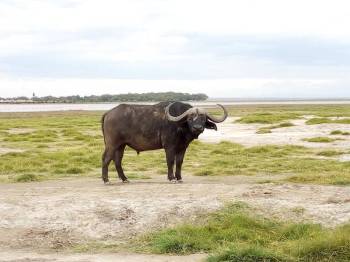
(53, 46)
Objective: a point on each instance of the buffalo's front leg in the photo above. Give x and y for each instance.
(170, 158)
(179, 160)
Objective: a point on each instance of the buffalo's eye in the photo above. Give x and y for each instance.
(191, 117)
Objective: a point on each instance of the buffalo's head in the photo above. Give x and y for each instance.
(197, 119)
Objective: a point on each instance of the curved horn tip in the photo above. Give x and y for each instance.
(219, 120)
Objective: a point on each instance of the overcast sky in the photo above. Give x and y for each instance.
(233, 48)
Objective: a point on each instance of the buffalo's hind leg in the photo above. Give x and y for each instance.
(106, 159)
(118, 157)
(170, 159)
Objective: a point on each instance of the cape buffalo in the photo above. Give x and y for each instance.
(168, 125)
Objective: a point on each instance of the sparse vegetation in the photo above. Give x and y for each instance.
(237, 233)
(264, 130)
(267, 118)
(320, 139)
(27, 178)
(70, 144)
(324, 120)
(330, 153)
(320, 111)
(267, 129)
(339, 132)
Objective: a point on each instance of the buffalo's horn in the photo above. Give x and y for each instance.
(221, 119)
(180, 117)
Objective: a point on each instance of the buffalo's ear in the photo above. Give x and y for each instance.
(210, 125)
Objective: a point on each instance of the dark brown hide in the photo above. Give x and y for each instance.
(146, 127)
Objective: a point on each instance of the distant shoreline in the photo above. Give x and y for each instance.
(210, 100)
(48, 107)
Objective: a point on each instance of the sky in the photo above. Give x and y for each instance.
(224, 48)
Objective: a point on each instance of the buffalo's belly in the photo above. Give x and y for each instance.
(141, 148)
(141, 143)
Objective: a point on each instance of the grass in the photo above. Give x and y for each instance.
(339, 132)
(70, 144)
(267, 118)
(237, 233)
(264, 130)
(267, 129)
(27, 178)
(330, 153)
(320, 139)
(292, 161)
(324, 120)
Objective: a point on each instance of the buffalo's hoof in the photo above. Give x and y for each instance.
(173, 181)
(179, 181)
(107, 183)
(126, 181)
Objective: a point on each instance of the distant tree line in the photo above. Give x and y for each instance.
(130, 97)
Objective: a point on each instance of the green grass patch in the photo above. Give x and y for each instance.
(285, 124)
(324, 120)
(320, 139)
(330, 153)
(331, 179)
(339, 132)
(336, 132)
(267, 118)
(247, 254)
(294, 161)
(236, 233)
(267, 129)
(27, 178)
(264, 130)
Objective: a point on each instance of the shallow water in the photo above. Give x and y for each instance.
(106, 106)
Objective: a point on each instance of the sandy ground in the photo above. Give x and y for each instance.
(57, 214)
(245, 134)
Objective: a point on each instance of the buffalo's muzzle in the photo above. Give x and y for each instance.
(198, 128)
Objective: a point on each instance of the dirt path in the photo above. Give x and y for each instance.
(56, 214)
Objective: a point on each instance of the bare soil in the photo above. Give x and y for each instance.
(55, 215)
(118, 257)
(20, 130)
